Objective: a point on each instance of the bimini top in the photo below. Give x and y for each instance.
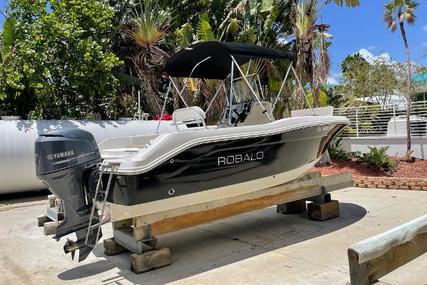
(212, 60)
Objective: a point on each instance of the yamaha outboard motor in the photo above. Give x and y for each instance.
(68, 162)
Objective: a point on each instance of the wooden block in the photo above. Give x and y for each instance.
(323, 211)
(150, 260)
(122, 224)
(41, 220)
(112, 248)
(50, 228)
(52, 199)
(292, 207)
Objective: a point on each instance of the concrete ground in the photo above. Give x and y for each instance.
(261, 247)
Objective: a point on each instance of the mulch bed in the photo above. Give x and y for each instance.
(416, 169)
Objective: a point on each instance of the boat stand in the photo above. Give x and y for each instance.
(310, 193)
(54, 214)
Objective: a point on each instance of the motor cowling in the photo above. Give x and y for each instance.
(67, 161)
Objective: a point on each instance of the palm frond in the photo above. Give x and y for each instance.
(149, 24)
(248, 36)
(399, 10)
(233, 27)
(204, 29)
(348, 3)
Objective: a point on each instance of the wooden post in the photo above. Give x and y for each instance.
(371, 259)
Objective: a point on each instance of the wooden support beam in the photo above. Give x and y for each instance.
(371, 259)
(165, 221)
(294, 207)
(171, 224)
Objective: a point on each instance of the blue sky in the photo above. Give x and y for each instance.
(363, 27)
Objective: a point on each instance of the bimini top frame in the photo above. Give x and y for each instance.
(218, 60)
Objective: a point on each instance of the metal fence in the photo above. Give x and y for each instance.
(384, 120)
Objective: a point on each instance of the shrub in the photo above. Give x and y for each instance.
(337, 152)
(378, 157)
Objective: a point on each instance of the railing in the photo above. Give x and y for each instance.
(384, 120)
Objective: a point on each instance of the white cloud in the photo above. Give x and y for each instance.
(371, 58)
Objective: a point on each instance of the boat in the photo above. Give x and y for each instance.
(197, 162)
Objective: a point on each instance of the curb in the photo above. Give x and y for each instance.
(398, 183)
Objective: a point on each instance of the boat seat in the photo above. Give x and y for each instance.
(189, 116)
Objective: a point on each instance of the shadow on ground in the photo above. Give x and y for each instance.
(22, 197)
(220, 243)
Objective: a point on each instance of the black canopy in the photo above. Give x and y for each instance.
(215, 58)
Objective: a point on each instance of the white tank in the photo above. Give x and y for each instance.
(17, 137)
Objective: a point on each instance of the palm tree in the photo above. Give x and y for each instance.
(313, 60)
(147, 28)
(399, 12)
(312, 38)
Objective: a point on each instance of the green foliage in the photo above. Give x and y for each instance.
(149, 24)
(185, 35)
(363, 81)
(8, 34)
(336, 152)
(322, 97)
(248, 36)
(348, 3)
(204, 29)
(61, 63)
(60, 58)
(350, 61)
(377, 157)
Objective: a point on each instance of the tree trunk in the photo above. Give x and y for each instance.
(314, 81)
(408, 96)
